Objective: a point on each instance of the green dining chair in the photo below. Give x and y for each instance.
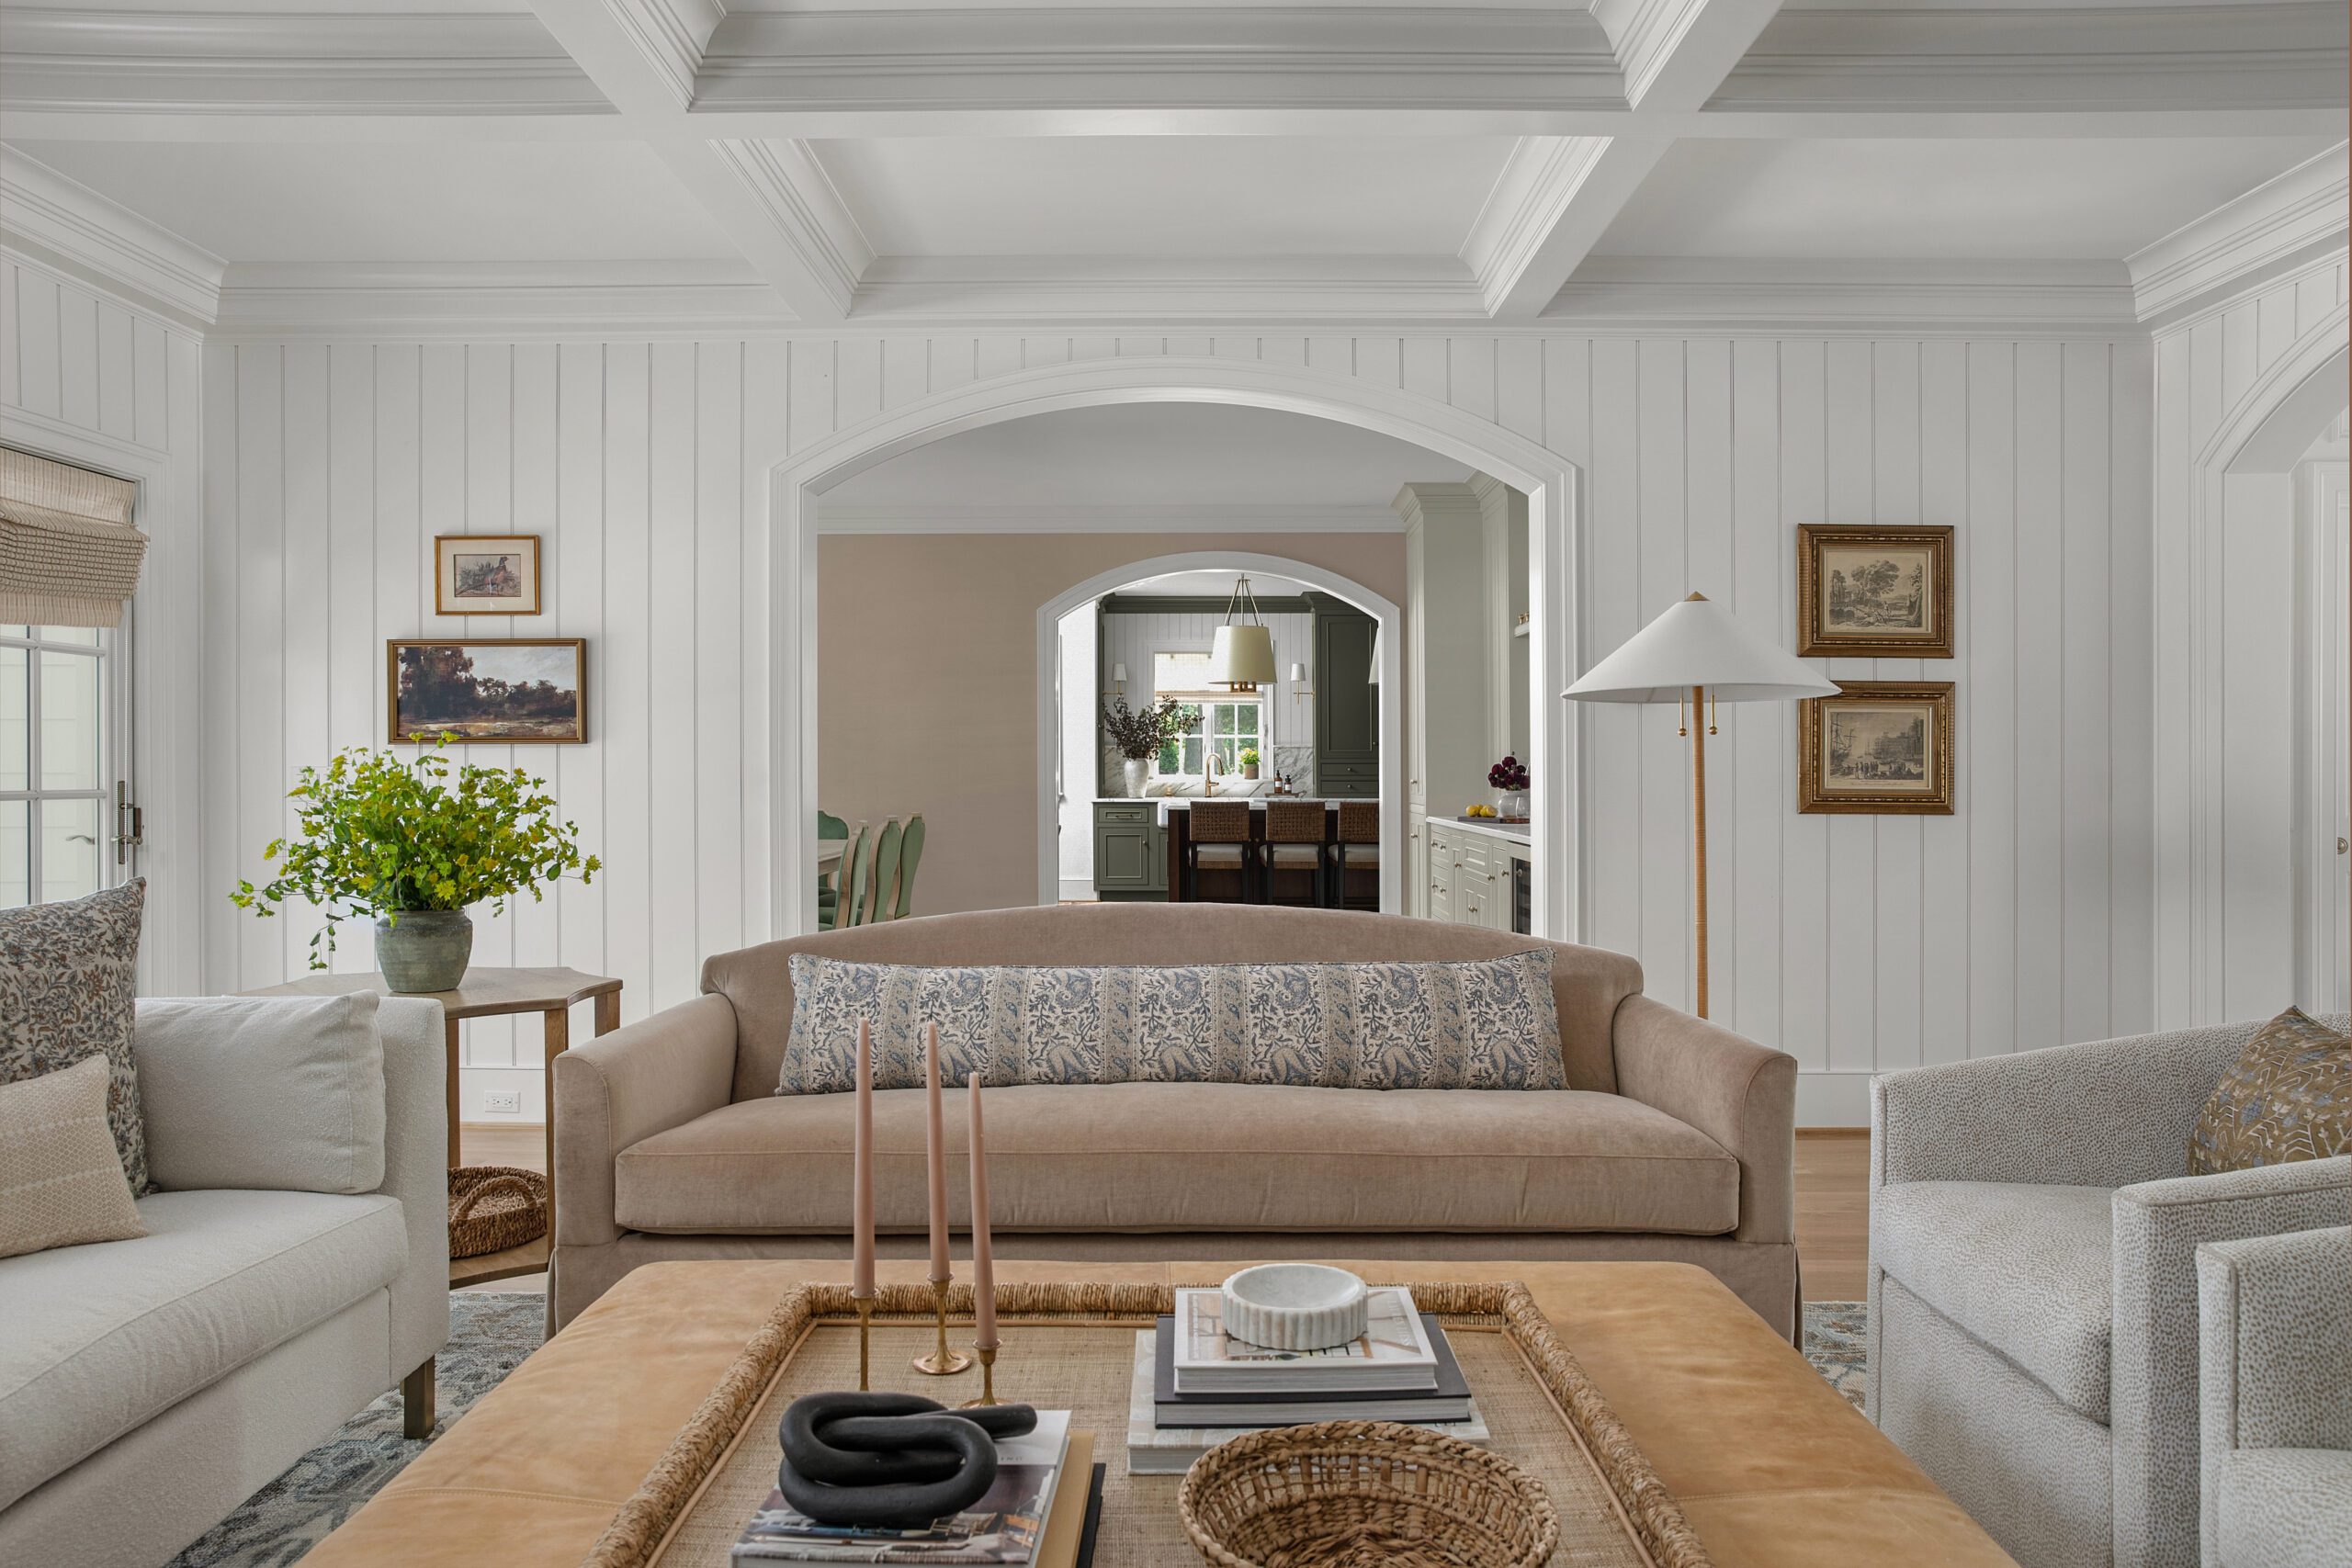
(909, 856)
(845, 884)
(886, 870)
(857, 875)
(828, 897)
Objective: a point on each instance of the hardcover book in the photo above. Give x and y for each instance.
(1392, 1354)
(1449, 1401)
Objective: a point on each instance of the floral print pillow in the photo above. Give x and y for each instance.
(67, 989)
(1489, 1023)
(2287, 1097)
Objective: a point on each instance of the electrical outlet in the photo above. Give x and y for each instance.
(509, 1101)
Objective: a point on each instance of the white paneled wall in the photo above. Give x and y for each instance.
(1288, 717)
(2225, 721)
(1855, 942)
(86, 379)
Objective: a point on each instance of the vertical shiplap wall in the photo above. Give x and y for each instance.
(1288, 716)
(86, 379)
(2228, 735)
(1857, 943)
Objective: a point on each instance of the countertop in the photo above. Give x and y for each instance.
(1509, 832)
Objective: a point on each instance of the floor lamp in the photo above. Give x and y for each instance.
(1696, 654)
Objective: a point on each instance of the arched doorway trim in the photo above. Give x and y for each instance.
(1390, 616)
(1547, 479)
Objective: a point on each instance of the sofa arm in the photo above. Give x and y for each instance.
(2104, 1114)
(1741, 1094)
(2153, 1398)
(656, 1074)
(416, 1171)
(2274, 1314)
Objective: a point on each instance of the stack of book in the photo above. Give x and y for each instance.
(1043, 1510)
(1196, 1386)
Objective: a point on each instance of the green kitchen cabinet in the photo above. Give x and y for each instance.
(1347, 705)
(1130, 852)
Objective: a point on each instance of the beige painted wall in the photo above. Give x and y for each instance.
(927, 668)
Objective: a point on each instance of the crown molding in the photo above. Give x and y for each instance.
(673, 35)
(839, 518)
(1554, 198)
(1874, 299)
(908, 289)
(502, 302)
(2011, 62)
(323, 63)
(2271, 230)
(102, 241)
(799, 199)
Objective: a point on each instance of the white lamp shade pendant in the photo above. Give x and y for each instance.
(1242, 654)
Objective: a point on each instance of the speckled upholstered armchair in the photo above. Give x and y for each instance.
(2033, 1328)
(2275, 1380)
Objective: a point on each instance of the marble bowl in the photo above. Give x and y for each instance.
(1294, 1306)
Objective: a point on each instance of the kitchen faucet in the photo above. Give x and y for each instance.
(1208, 774)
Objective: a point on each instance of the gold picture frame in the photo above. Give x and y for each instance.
(1873, 590)
(1879, 747)
(485, 574)
(511, 690)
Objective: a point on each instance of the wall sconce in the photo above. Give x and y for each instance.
(1119, 679)
(1298, 686)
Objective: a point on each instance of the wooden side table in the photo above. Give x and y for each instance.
(495, 993)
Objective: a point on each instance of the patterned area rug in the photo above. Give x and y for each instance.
(489, 1336)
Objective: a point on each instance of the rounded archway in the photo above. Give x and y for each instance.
(1391, 619)
(1546, 480)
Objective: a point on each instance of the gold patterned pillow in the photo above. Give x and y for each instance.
(2287, 1097)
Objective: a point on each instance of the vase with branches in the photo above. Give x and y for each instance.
(1139, 734)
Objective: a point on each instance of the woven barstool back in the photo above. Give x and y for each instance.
(1295, 844)
(1359, 822)
(1220, 822)
(1296, 821)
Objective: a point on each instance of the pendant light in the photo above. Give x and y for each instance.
(1241, 656)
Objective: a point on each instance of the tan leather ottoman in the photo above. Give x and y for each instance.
(1774, 1469)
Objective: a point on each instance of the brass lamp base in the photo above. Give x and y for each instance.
(942, 1362)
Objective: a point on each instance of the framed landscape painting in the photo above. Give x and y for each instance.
(526, 691)
(1868, 591)
(1880, 746)
(486, 574)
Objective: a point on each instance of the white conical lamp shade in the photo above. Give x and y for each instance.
(1696, 644)
(1242, 656)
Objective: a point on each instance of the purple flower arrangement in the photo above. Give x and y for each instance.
(1511, 773)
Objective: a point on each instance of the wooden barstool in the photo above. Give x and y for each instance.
(1294, 835)
(1358, 848)
(1220, 840)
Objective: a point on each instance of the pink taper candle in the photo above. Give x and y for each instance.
(862, 1172)
(983, 1264)
(937, 1149)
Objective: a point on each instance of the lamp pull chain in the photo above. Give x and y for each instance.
(1681, 715)
(1711, 712)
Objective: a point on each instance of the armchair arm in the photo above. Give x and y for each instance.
(2274, 1314)
(2104, 1114)
(2153, 1398)
(1741, 1094)
(416, 1171)
(656, 1074)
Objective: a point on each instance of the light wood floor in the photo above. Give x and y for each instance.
(1833, 1202)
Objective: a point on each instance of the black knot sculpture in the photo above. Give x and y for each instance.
(889, 1460)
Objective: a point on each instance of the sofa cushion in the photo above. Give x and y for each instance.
(1480, 1023)
(1199, 1158)
(102, 1339)
(67, 982)
(2021, 1267)
(319, 1128)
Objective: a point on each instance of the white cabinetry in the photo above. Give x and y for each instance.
(1469, 876)
(1447, 712)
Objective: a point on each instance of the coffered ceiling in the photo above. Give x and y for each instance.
(424, 166)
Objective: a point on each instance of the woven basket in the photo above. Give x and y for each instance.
(1364, 1494)
(493, 1207)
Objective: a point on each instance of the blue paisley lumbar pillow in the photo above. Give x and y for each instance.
(1489, 1023)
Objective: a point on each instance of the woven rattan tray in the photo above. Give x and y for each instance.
(1073, 1346)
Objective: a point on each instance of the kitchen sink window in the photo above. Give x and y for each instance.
(1217, 720)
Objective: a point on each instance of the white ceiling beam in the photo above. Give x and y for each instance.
(1555, 196)
(771, 199)
(1675, 53)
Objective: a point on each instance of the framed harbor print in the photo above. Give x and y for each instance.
(1871, 592)
(486, 574)
(1880, 747)
(510, 690)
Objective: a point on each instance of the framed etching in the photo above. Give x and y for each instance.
(528, 691)
(486, 574)
(1878, 747)
(1870, 592)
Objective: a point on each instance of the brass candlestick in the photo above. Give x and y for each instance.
(942, 1362)
(987, 1353)
(864, 1305)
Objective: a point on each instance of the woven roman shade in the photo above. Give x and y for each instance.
(69, 555)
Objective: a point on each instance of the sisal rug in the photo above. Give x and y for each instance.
(490, 1333)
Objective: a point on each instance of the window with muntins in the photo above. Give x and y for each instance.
(54, 701)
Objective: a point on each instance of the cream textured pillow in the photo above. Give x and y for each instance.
(61, 1178)
(284, 1093)
(1480, 1023)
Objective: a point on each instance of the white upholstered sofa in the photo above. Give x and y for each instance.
(148, 1386)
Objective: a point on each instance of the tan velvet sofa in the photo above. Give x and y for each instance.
(1674, 1141)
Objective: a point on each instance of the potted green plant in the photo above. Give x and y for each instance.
(1138, 734)
(403, 840)
(1248, 761)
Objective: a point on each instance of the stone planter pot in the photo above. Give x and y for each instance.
(424, 950)
(1138, 776)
